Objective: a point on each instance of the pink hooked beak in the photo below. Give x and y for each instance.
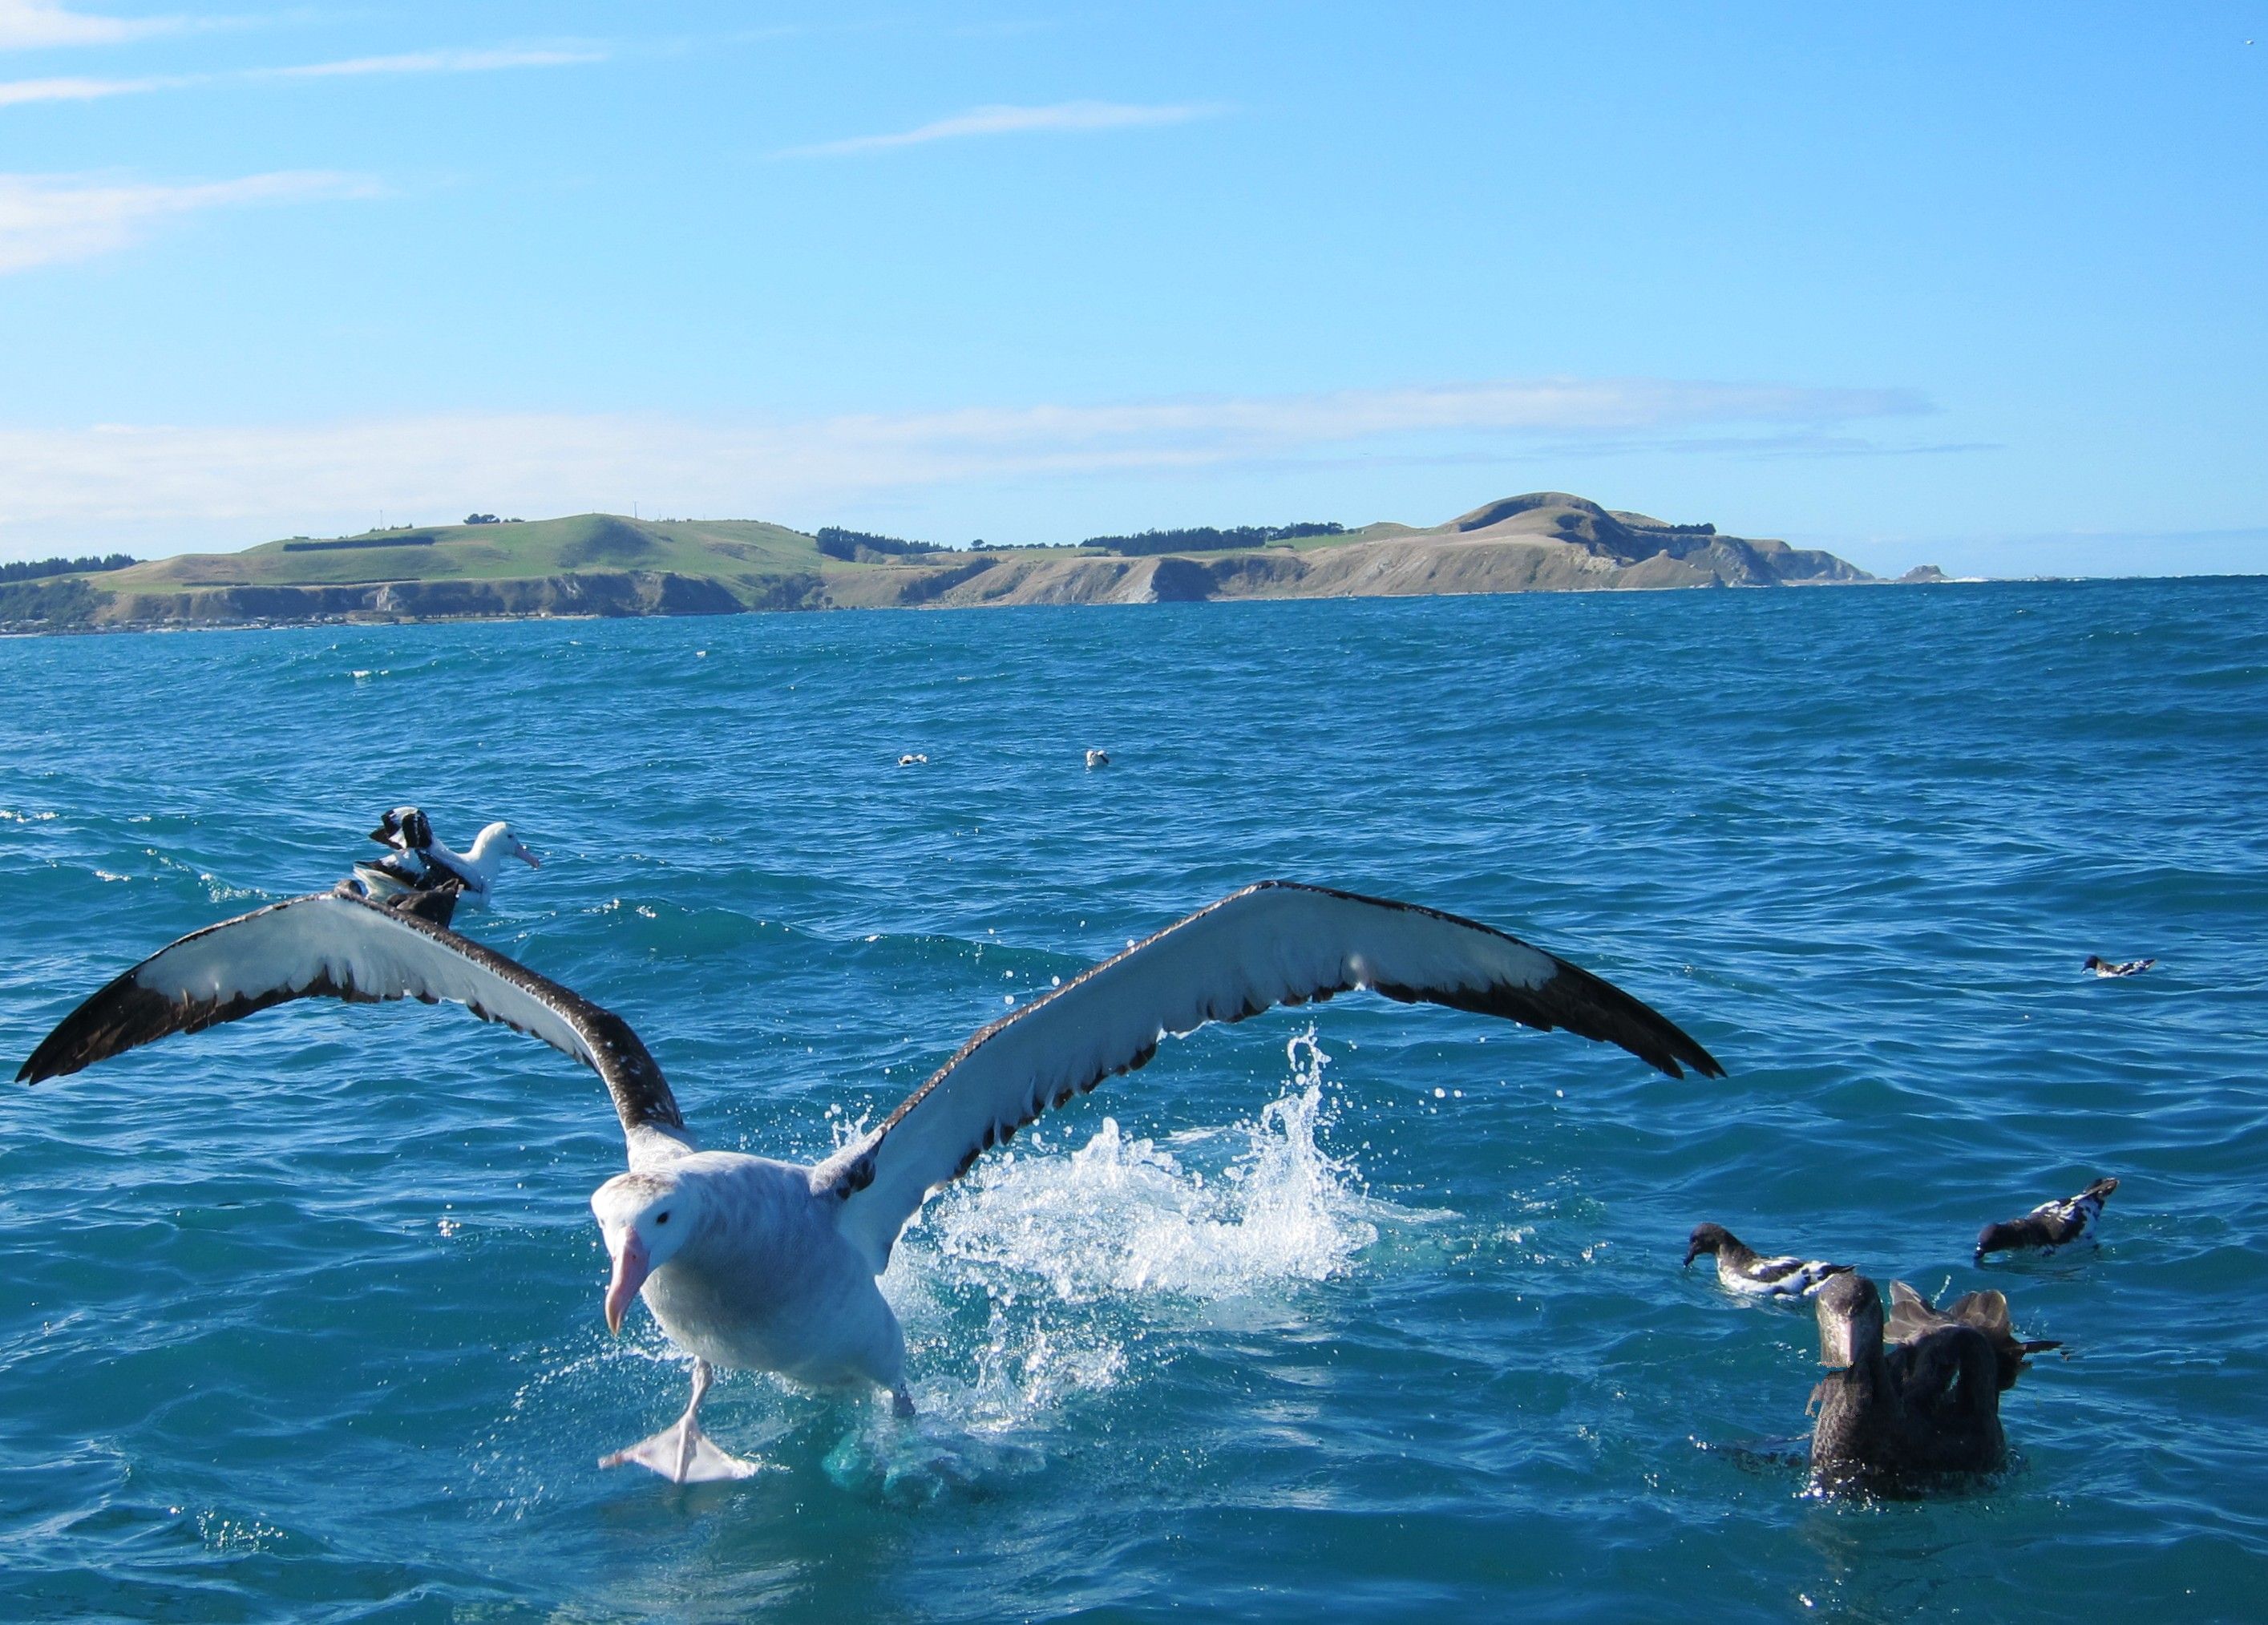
(532, 861)
(630, 1271)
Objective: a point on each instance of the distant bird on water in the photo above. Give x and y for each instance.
(913, 759)
(773, 1266)
(1098, 759)
(2050, 1225)
(1740, 1268)
(2102, 967)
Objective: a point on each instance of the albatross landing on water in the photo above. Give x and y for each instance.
(757, 1264)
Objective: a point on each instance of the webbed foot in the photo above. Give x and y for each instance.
(683, 1454)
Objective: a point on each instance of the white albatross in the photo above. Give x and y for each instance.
(751, 1263)
(420, 861)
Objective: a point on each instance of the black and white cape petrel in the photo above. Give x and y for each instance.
(2050, 1225)
(753, 1263)
(1741, 1268)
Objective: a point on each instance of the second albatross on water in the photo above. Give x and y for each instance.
(751, 1263)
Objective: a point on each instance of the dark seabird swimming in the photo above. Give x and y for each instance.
(1912, 1317)
(1740, 1268)
(774, 1266)
(2050, 1225)
(1898, 1421)
(2102, 967)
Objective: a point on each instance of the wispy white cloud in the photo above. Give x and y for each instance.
(17, 91)
(1002, 120)
(436, 61)
(30, 24)
(45, 220)
(161, 489)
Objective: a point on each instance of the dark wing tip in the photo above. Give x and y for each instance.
(1587, 1005)
(1594, 1008)
(1583, 1004)
(120, 1017)
(45, 1062)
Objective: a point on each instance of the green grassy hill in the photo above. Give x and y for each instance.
(727, 549)
(604, 564)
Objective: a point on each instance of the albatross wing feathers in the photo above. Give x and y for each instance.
(334, 945)
(1274, 942)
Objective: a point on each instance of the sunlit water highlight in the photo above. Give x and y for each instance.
(1384, 1321)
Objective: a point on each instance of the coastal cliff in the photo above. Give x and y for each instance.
(606, 565)
(1556, 544)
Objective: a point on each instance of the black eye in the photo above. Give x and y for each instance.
(661, 1218)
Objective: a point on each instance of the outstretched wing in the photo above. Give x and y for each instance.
(1911, 1315)
(1913, 1318)
(1275, 943)
(335, 946)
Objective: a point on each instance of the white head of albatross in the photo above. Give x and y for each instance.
(643, 1217)
(751, 1262)
(478, 868)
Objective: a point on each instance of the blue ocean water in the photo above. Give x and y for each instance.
(1364, 1311)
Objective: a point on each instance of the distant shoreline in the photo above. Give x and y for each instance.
(14, 633)
(604, 566)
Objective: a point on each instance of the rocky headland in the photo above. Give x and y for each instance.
(603, 564)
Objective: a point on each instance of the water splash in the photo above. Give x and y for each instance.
(1047, 1277)
(1123, 1216)
(1045, 1274)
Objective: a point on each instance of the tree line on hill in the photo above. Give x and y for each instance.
(837, 543)
(1205, 539)
(31, 569)
(864, 546)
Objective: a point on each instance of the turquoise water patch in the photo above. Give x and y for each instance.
(304, 1318)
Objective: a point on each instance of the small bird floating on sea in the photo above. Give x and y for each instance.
(420, 863)
(774, 1266)
(1740, 1269)
(913, 759)
(1913, 1316)
(1893, 1421)
(1098, 759)
(2050, 1225)
(2102, 967)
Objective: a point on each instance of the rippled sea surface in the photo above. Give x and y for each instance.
(301, 1317)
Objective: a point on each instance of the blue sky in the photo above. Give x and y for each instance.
(1977, 285)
